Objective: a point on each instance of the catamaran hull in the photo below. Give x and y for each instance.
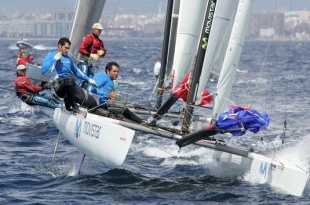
(281, 174)
(101, 140)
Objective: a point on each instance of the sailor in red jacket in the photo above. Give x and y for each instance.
(91, 48)
(29, 93)
(23, 58)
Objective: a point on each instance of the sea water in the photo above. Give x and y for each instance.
(155, 172)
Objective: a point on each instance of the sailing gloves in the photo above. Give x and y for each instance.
(58, 55)
(100, 52)
(43, 82)
(94, 56)
(92, 82)
(47, 86)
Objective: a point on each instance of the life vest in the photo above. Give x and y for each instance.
(97, 44)
(22, 92)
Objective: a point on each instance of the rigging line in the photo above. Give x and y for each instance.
(274, 147)
(291, 162)
(154, 89)
(286, 84)
(112, 20)
(93, 108)
(147, 24)
(267, 52)
(276, 152)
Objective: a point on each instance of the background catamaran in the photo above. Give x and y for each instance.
(108, 140)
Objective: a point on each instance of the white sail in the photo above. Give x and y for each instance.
(87, 13)
(232, 57)
(223, 16)
(189, 26)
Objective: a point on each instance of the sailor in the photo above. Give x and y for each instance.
(23, 58)
(63, 83)
(29, 93)
(105, 89)
(157, 67)
(91, 48)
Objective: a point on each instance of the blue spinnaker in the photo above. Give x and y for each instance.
(238, 120)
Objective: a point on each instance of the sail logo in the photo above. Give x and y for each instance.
(91, 129)
(210, 17)
(263, 168)
(205, 43)
(77, 129)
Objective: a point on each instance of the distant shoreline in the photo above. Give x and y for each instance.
(102, 37)
(150, 38)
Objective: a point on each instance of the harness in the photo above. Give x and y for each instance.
(27, 98)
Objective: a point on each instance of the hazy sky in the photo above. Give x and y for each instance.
(128, 6)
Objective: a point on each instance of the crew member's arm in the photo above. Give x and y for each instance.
(30, 87)
(85, 45)
(103, 88)
(49, 62)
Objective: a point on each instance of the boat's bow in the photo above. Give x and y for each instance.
(95, 136)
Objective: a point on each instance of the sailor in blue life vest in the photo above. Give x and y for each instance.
(64, 84)
(105, 89)
(91, 49)
(29, 93)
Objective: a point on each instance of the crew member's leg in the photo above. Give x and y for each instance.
(66, 90)
(84, 98)
(43, 101)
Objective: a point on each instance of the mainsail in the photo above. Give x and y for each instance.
(232, 57)
(227, 76)
(221, 29)
(189, 26)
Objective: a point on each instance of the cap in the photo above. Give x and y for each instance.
(98, 26)
(21, 67)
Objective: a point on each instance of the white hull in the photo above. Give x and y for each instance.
(23, 45)
(279, 173)
(100, 139)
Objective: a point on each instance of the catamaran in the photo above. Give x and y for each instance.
(221, 41)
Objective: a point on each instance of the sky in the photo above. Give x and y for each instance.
(128, 6)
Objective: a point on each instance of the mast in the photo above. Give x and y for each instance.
(191, 16)
(162, 72)
(172, 38)
(205, 33)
